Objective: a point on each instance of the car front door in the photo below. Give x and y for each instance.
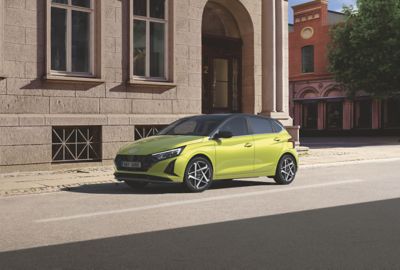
(235, 156)
(268, 145)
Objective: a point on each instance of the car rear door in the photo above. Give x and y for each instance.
(268, 145)
(235, 156)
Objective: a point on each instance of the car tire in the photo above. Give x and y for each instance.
(286, 170)
(136, 184)
(198, 174)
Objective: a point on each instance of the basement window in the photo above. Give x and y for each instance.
(76, 144)
(145, 131)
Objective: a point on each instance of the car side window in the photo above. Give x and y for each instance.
(260, 125)
(237, 126)
(277, 126)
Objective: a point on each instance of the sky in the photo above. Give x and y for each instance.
(335, 5)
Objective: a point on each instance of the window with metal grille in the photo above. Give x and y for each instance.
(147, 131)
(76, 144)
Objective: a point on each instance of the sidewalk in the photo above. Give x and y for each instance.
(322, 151)
(345, 149)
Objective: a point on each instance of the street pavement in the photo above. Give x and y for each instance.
(323, 151)
(332, 217)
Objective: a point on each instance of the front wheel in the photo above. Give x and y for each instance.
(286, 170)
(198, 174)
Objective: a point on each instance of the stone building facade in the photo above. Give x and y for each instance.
(318, 103)
(80, 78)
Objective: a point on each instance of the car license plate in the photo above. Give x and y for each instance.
(131, 164)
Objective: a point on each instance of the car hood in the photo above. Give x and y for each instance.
(157, 144)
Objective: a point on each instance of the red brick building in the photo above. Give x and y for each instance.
(317, 103)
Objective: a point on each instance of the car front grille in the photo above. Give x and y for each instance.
(146, 162)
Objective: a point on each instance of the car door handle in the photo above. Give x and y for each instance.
(248, 145)
(277, 139)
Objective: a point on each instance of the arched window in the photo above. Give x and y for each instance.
(307, 59)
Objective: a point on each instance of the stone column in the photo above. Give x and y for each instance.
(282, 58)
(268, 57)
(280, 80)
(347, 114)
(275, 72)
(275, 65)
(376, 114)
(298, 114)
(321, 115)
(282, 61)
(2, 15)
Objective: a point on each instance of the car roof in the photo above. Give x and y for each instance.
(229, 115)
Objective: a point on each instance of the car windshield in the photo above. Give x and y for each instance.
(195, 126)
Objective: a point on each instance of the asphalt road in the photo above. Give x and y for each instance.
(338, 217)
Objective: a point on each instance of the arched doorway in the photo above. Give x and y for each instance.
(228, 77)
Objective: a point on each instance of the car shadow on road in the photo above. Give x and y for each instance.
(122, 188)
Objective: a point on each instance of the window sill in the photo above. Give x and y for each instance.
(152, 84)
(71, 79)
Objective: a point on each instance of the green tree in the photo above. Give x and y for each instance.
(365, 50)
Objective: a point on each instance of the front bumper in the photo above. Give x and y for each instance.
(169, 170)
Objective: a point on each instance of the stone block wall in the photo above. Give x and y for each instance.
(32, 102)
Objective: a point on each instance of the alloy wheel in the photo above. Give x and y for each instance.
(199, 174)
(288, 169)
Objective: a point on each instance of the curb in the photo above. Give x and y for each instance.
(350, 162)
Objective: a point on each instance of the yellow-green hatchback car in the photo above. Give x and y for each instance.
(201, 149)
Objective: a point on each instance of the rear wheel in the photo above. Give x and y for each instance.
(136, 184)
(286, 170)
(198, 174)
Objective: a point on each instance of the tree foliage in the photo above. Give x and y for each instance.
(365, 51)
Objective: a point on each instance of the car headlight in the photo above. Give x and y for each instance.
(168, 154)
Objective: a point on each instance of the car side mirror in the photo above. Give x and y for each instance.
(223, 134)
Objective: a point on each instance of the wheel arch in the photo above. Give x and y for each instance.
(284, 154)
(203, 156)
(290, 154)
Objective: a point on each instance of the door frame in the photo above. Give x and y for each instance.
(304, 121)
(330, 102)
(217, 47)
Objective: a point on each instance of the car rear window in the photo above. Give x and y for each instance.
(277, 126)
(260, 125)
